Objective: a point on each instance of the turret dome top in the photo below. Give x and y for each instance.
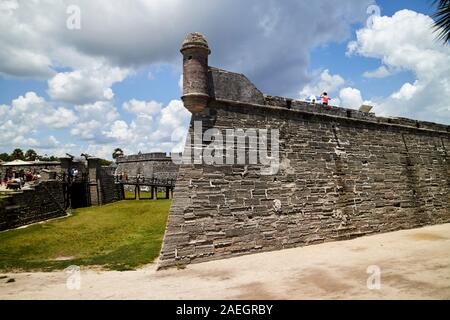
(195, 40)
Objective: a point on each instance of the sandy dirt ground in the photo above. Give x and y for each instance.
(414, 264)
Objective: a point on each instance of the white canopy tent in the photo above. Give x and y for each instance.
(16, 163)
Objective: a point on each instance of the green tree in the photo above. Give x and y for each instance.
(104, 162)
(17, 154)
(442, 19)
(31, 155)
(4, 157)
(117, 153)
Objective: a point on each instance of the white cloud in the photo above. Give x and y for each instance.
(333, 84)
(381, 72)
(153, 128)
(161, 131)
(151, 31)
(171, 119)
(174, 115)
(173, 126)
(53, 141)
(102, 111)
(86, 130)
(48, 143)
(108, 94)
(86, 85)
(8, 5)
(18, 62)
(120, 131)
(103, 151)
(21, 53)
(60, 118)
(407, 91)
(142, 107)
(405, 41)
(95, 121)
(32, 111)
(352, 98)
(324, 83)
(29, 114)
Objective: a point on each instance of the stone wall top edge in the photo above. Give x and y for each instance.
(332, 112)
(119, 161)
(145, 157)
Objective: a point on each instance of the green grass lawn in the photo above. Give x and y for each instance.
(119, 236)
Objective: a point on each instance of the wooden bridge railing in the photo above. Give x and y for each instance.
(153, 183)
(145, 181)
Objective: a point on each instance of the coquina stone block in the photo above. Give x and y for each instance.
(343, 174)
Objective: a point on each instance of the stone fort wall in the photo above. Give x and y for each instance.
(109, 190)
(343, 174)
(149, 165)
(45, 201)
(95, 185)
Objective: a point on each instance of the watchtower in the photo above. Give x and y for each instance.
(195, 52)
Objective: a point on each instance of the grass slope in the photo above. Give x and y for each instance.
(119, 236)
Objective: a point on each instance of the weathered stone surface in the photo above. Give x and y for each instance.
(343, 174)
(157, 165)
(109, 190)
(391, 177)
(45, 201)
(227, 85)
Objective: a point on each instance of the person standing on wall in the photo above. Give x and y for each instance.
(325, 99)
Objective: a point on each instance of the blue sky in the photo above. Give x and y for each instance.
(332, 56)
(114, 82)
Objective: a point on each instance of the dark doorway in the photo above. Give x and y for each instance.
(79, 194)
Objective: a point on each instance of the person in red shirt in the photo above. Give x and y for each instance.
(325, 99)
(28, 176)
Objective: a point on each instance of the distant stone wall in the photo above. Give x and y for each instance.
(45, 201)
(142, 157)
(150, 165)
(110, 191)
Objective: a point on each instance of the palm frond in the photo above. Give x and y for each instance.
(442, 19)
